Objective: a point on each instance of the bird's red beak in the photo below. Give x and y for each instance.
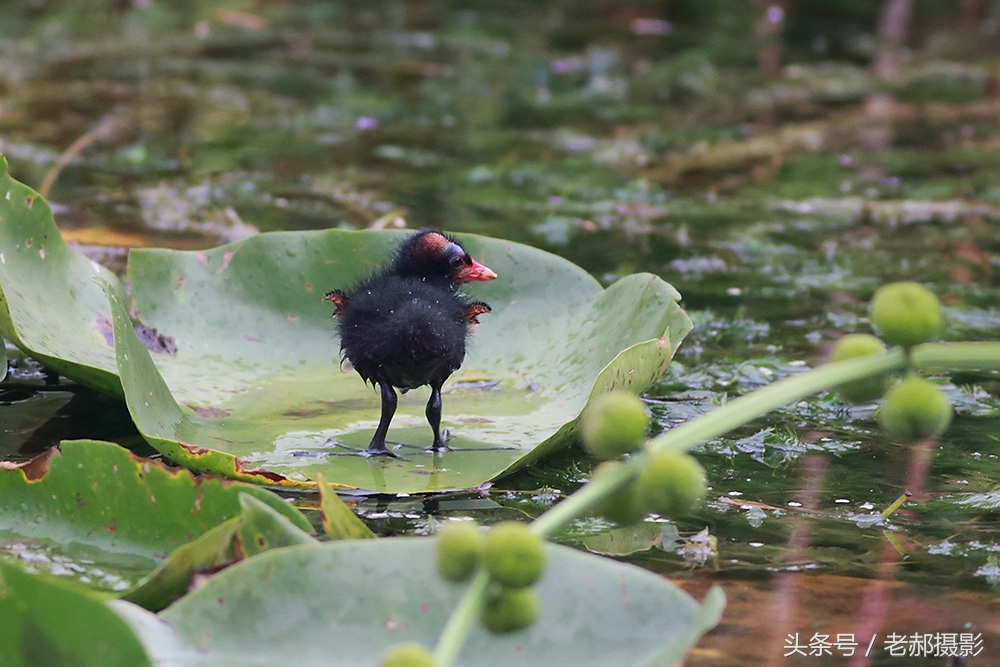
(475, 272)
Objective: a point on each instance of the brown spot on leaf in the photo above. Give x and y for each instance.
(103, 326)
(192, 449)
(292, 318)
(209, 412)
(112, 527)
(28, 241)
(79, 499)
(266, 476)
(255, 475)
(30, 201)
(236, 547)
(150, 337)
(155, 341)
(304, 413)
(36, 468)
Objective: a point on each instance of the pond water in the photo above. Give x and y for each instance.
(625, 137)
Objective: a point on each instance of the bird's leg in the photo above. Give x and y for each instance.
(433, 413)
(377, 446)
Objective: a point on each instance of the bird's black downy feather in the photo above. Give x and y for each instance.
(407, 325)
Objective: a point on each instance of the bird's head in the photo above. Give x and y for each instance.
(433, 255)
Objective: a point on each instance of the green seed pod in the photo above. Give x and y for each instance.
(905, 313)
(860, 345)
(914, 409)
(459, 548)
(406, 654)
(513, 555)
(614, 424)
(621, 506)
(671, 484)
(510, 609)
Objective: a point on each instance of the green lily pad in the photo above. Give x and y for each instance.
(235, 367)
(258, 528)
(48, 305)
(158, 417)
(45, 623)
(343, 603)
(256, 375)
(93, 512)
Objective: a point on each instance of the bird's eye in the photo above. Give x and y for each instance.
(456, 262)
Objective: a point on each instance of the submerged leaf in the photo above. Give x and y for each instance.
(624, 541)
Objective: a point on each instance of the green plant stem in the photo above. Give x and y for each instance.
(735, 413)
(460, 622)
(956, 356)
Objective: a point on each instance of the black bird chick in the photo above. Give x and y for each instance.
(406, 326)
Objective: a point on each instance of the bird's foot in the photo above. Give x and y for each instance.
(441, 442)
(371, 451)
(333, 442)
(377, 448)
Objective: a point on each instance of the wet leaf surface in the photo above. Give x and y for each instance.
(94, 513)
(260, 379)
(342, 602)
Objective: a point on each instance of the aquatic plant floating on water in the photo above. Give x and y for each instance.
(237, 372)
